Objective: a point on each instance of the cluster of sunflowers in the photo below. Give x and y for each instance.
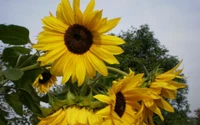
(74, 45)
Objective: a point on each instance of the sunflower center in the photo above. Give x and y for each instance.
(78, 39)
(46, 77)
(120, 105)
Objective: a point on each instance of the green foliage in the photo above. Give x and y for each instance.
(13, 74)
(16, 76)
(15, 56)
(14, 101)
(3, 121)
(30, 101)
(14, 35)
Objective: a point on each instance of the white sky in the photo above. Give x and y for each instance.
(176, 23)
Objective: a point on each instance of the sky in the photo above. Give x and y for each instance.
(175, 23)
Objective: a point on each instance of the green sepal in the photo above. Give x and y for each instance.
(71, 98)
(56, 103)
(86, 100)
(46, 111)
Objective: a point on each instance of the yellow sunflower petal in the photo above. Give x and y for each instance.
(49, 46)
(67, 11)
(173, 69)
(102, 22)
(116, 50)
(156, 110)
(82, 116)
(109, 25)
(164, 105)
(69, 68)
(89, 7)
(165, 77)
(57, 66)
(76, 3)
(51, 56)
(104, 98)
(171, 94)
(80, 70)
(96, 18)
(50, 38)
(104, 112)
(72, 115)
(107, 57)
(54, 24)
(107, 40)
(78, 15)
(89, 68)
(97, 63)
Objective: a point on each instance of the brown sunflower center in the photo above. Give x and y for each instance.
(46, 77)
(120, 105)
(78, 39)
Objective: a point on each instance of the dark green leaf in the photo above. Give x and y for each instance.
(14, 35)
(13, 74)
(29, 101)
(15, 103)
(11, 55)
(3, 121)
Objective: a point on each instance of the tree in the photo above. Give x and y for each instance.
(197, 117)
(142, 53)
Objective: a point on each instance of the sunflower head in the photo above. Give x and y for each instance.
(71, 116)
(75, 42)
(121, 97)
(44, 82)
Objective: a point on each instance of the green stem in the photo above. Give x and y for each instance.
(84, 87)
(117, 70)
(145, 69)
(27, 60)
(34, 66)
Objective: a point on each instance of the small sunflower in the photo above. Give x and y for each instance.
(123, 95)
(76, 42)
(166, 83)
(44, 82)
(71, 116)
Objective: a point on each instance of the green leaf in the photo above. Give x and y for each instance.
(14, 101)
(3, 120)
(29, 101)
(13, 74)
(14, 35)
(11, 55)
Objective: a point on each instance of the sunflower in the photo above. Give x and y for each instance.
(71, 116)
(44, 82)
(166, 83)
(75, 42)
(122, 96)
(163, 86)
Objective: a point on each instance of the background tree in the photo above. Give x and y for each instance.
(197, 117)
(142, 53)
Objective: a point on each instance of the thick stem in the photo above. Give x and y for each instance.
(117, 70)
(34, 66)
